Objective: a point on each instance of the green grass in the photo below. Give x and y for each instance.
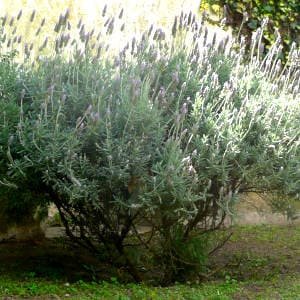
(270, 233)
(113, 290)
(260, 262)
(277, 288)
(288, 288)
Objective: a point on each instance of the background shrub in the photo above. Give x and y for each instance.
(283, 16)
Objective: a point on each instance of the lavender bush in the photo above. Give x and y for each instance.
(164, 133)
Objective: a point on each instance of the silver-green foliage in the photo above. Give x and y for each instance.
(167, 132)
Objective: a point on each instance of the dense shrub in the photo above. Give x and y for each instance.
(165, 134)
(15, 207)
(283, 16)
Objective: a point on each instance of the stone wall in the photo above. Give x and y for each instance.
(28, 228)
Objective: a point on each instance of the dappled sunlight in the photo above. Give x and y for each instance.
(131, 17)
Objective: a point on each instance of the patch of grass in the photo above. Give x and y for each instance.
(278, 288)
(260, 253)
(268, 233)
(262, 263)
(114, 290)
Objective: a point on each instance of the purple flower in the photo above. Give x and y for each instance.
(184, 109)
